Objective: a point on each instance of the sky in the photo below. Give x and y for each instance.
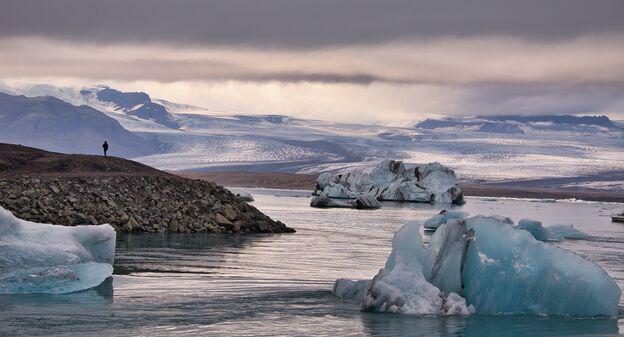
(389, 61)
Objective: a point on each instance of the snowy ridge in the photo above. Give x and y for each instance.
(494, 148)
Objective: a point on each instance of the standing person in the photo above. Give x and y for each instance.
(105, 147)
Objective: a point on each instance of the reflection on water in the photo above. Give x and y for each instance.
(270, 285)
(477, 325)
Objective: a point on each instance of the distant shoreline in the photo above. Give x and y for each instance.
(306, 182)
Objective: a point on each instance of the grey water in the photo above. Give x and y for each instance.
(280, 285)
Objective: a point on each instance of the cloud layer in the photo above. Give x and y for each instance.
(390, 61)
(304, 24)
(441, 61)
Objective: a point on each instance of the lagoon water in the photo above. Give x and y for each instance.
(280, 285)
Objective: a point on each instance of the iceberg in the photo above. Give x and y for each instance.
(366, 201)
(362, 201)
(443, 217)
(45, 258)
(351, 290)
(245, 196)
(333, 190)
(485, 265)
(391, 181)
(536, 229)
(322, 201)
(568, 232)
(552, 233)
(404, 285)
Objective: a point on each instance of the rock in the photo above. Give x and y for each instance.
(263, 226)
(133, 204)
(82, 219)
(67, 211)
(92, 220)
(124, 217)
(230, 213)
(238, 225)
(221, 220)
(132, 224)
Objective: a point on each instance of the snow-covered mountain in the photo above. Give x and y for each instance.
(50, 123)
(493, 148)
(515, 124)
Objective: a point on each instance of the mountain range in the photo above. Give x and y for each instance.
(177, 136)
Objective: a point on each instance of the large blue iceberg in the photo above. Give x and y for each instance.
(484, 265)
(43, 258)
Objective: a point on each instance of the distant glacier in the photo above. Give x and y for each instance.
(493, 148)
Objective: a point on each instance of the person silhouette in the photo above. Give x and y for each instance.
(105, 147)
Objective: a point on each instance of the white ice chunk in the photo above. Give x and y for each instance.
(443, 217)
(391, 181)
(246, 196)
(334, 190)
(456, 305)
(44, 258)
(351, 290)
(441, 180)
(402, 286)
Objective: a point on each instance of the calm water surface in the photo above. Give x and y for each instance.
(270, 285)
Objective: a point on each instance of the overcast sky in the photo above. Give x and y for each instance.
(355, 60)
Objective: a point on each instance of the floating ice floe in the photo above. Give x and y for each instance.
(551, 233)
(391, 181)
(245, 196)
(44, 258)
(484, 265)
(443, 217)
(362, 201)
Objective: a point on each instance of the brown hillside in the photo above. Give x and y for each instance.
(70, 190)
(20, 160)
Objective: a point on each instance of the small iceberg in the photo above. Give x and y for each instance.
(362, 201)
(568, 232)
(443, 217)
(552, 233)
(51, 259)
(484, 265)
(245, 196)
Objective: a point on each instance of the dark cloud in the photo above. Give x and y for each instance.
(544, 98)
(295, 23)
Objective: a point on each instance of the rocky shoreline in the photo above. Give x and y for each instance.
(133, 203)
